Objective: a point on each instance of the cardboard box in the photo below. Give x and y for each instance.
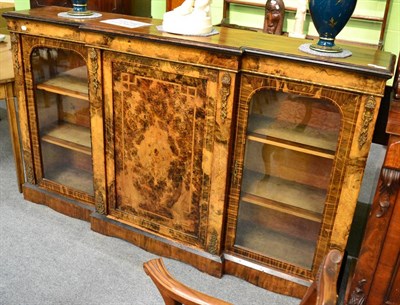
(5, 7)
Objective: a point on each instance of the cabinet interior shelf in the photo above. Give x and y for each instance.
(282, 207)
(74, 178)
(69, 136)
(308, 140)
(71, 83)
(285, 196)
(258, 239)
(282, 144)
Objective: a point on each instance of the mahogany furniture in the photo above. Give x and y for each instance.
(236, 153)
(115, 6)
(173, 291)
(39, 3)
(323, 291)
(171, 4)
(376, 277)
(7, 92)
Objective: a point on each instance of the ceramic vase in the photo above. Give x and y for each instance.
(80, 8)
(329, 18)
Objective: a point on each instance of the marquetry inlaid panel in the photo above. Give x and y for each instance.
(163, 116)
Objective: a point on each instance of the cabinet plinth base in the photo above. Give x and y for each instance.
(205, 262)
(57, 202)
(158, 245)
(263, 279)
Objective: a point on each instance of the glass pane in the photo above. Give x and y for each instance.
(305, 121)
(62, 102)
(290, 147)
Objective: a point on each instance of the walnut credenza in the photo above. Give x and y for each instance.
(236, 153)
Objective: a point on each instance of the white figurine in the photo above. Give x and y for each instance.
(202, 7)
(185, 8)
(299, 20)
(192, 17)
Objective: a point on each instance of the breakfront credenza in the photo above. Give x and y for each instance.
(236, 153)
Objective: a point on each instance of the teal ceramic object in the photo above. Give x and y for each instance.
(329, 18)
(80, 8)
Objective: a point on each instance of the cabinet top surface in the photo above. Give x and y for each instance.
(228, 40)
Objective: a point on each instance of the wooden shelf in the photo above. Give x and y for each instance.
(307, 139)
(285, 196)
(69, 136)
(255, 238)
(281, 207)
(72, 83)
(72, 177)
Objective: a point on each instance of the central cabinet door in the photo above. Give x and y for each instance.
(159, 144)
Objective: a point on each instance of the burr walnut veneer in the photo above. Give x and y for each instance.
(236, 153)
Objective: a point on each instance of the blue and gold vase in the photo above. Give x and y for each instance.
(329, 18)
(80, 8)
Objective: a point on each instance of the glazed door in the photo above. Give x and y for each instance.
(59, 113)
(160, 145)
(284, 183)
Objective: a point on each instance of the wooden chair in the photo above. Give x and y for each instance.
(321, 292)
